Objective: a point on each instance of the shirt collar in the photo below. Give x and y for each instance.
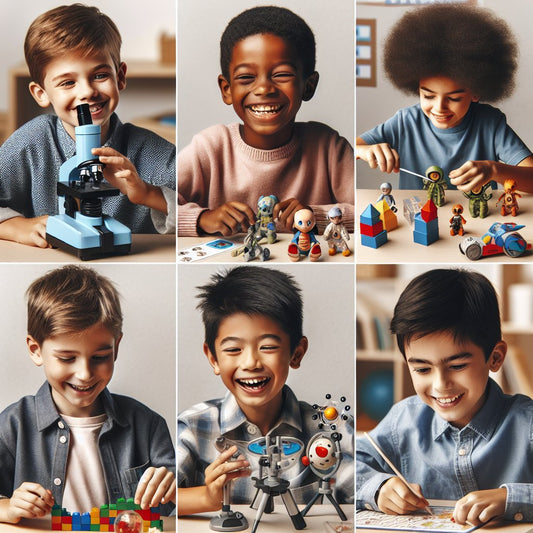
(485, 421)
(47, 413)
(231, 415)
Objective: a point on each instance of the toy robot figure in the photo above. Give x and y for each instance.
(457, 220)
(509, 198)
(304, 241)
(478, 201)
(265, 226)
(335, 233)
(386, 189)
(435, 185)
(252, 248)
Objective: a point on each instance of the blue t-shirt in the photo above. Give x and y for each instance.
(482, 135)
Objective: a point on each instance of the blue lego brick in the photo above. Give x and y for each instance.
(374, 242)
(425, 227)
(369, 216)
(425, 238)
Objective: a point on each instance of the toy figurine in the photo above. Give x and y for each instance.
(251, 248)
(457, 220)
(435, 185)
(265, 226)
(304, 241)
(509, 198)
(386, 189)
(478, 200)
(335, 233)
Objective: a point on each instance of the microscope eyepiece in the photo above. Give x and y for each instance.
(84, 115)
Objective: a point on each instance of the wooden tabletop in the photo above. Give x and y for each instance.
(144, 249)
(401, 248)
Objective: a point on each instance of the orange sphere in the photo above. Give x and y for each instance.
(330, 413)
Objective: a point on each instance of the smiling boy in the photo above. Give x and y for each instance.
(253, 337)
(73, 55)
(460, 437)
(452, 57)
(74, 443)
(267, 59)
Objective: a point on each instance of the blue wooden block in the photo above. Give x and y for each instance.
(369, 216)
(426, 227)
(374, 242)
(425, 238)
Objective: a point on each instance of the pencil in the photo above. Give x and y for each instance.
(394, 469)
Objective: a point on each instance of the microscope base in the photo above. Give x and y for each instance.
(229, 521)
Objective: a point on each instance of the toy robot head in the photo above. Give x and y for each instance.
(266, 204)
(457, 209)
(509, 185)
(385, 187)
(434, 173)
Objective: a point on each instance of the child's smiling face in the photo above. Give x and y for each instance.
(266, 88)
(451, 377)
(444, 101)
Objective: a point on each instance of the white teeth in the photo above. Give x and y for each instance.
(95, 108)
(448, 400)
(264, 108)
(253, 382)
(81, 389)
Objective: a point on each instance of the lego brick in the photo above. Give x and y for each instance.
(371, 231)
(374, 242)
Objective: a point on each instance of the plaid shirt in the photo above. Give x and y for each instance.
(199, 426)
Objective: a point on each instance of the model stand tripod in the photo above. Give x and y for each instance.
(271, 484)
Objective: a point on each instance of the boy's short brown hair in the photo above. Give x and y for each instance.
(72, 28)
(71, 299)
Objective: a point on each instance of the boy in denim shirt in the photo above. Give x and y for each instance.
(74, 443)
(460, 437)
(73, 55)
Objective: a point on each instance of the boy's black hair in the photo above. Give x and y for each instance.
(276, 21)
(461, 302)
(252, 291)
(468, 44)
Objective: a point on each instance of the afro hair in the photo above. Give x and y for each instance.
(468, 44)
(277, 21)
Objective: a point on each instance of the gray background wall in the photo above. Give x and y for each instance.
(376, 104)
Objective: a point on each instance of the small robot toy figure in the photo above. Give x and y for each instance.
(304, 241)
(251, 248)
(435, 185)
(265, 226)
(478, 200)
(335, 233)
(386, 189)
(509, 198)
(457, 220)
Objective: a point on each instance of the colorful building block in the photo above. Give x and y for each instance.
(429, 211)
(371, 228)
(103, 518)
(387, 215)
(424, 232)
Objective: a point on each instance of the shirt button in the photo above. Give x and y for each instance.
(518, 517)
(462, 451)
(251, 429)
(62, 439)
(61, 425)
(57, 481)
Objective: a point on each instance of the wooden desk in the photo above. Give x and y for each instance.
(278, 250)
(270, 523)
(45, 524)
(401, 247)
(145, 248)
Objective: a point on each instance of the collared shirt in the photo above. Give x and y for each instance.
(29, 172)
(483, 134)
(199, 426)
(494, 450)
(34, 444)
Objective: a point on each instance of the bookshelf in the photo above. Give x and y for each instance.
(378, 288)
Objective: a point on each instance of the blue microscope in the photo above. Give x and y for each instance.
(81, 228)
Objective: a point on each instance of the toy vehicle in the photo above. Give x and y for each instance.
(500, 238)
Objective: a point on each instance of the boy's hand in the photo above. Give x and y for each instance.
(28, 231)
(480, 506)
(220, 472)
(157, 485)
(380, 156)
(228, 219)
(395, 498)
(30, 500)
(284, 212)
(473, 174)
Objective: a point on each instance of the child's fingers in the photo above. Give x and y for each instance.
(153, 486)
